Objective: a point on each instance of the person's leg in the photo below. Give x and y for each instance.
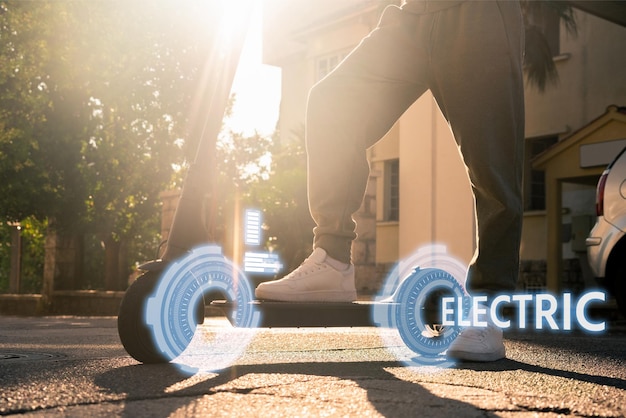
(348, 111)
(477, 80)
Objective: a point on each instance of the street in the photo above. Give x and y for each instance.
(76, 367)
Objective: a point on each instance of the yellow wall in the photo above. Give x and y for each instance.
(387, 233)
(534, 236)
(591, 77)
(387, 242)
(436, 204)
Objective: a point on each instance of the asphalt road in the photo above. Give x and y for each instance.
(76, 367)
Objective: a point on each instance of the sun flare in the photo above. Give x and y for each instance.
(237, 29)
(234, 20)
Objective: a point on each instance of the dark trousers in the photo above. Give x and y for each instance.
(470, 56)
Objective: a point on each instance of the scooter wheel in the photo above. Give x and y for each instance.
(170, 311)
(135, 334)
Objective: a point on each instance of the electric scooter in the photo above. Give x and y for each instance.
(162, 309)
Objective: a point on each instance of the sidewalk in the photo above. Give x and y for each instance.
(76, 367)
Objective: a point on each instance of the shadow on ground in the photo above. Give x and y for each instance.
(389, 395)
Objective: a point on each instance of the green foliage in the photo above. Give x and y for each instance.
(269, 174)
(33, 238)
(98, 105)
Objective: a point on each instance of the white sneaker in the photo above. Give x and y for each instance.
(314, 281)
(478, 344)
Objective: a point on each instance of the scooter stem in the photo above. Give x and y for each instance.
(191, 223)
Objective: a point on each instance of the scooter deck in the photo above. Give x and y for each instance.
(309, 314)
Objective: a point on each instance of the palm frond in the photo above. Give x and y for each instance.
(539, 65)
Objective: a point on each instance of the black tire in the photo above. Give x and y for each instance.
(136, 336)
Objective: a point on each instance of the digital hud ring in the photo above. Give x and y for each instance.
(170, 311)
(414, 308)
(415, 317)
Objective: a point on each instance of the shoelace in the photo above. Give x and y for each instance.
(307, 267)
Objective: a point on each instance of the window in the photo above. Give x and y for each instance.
(392, 190)
(326, 64)
(537, 197)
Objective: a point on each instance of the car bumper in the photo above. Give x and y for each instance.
(600, 243)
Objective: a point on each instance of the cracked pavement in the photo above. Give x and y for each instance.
(76, 367)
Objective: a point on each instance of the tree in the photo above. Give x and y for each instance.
(23, 103)
(97, 110)
(32, 254)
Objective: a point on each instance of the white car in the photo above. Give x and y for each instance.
(606, 244)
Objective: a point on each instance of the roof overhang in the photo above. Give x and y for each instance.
(608, 127)
(613, 11)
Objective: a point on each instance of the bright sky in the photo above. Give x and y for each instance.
(257, 86)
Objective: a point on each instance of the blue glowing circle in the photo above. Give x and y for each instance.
(399, 307)
(413, 329)
(170, 311)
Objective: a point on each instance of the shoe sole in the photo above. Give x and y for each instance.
(477, 357)
(322, 296)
